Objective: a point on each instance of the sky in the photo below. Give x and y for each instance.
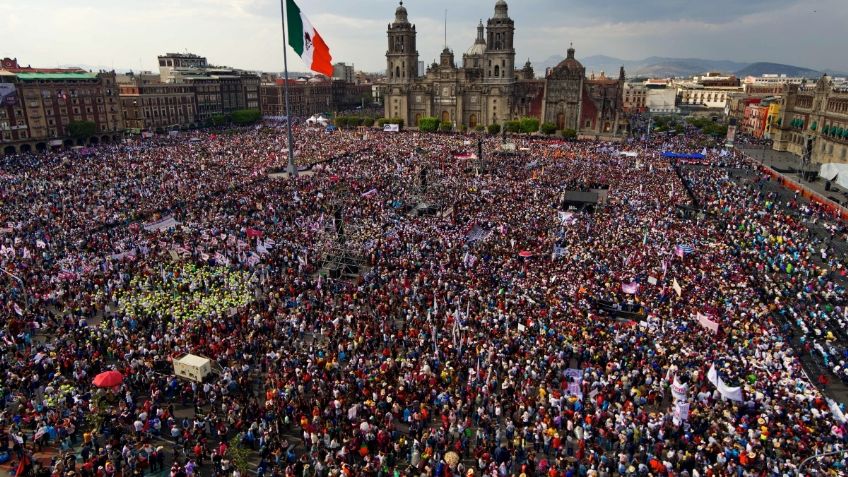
(247, 33)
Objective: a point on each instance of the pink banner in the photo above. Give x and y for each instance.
(707, 323)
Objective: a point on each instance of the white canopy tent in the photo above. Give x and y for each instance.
(835, 173)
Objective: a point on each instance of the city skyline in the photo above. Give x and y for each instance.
(246, 33)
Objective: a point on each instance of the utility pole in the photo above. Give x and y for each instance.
(292, 170)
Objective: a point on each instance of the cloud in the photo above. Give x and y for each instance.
(246, 33)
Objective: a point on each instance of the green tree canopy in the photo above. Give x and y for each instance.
(80, 129)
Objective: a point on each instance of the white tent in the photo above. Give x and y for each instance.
(317, 120)
(836, 173)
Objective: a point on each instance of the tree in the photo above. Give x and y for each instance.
(240, 454)
(529, 125)
(341, 122)
(494, 129)
(569, 134)
(244, 117)
(548, 128)
(428, 124)
(218, 119)
(513, 126)
(446, 126)
(480, 128)
(81, 129)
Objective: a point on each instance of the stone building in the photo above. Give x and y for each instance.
(41, 103)
(487, 88)
(590, 106)
(148, 104)
(814, 121)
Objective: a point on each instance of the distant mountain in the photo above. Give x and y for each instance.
(661, 67)
(758, 69)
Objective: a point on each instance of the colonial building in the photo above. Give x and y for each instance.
(635, 97)
(814, 121)
(760, 117)
(148, 104)
(486, 88)
(220, 90)
(40, 105)
(312, 96)
(590, 106)
(170, 64)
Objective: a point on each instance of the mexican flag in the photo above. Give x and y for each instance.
(306, 41)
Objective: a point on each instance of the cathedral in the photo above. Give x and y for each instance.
(488, 89)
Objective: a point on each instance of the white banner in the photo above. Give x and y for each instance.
(681, 411)
(162, 224)
(391, 128)
(677, 288)
(734, 394)
(678, 390)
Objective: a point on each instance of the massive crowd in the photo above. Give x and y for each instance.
(501, 335)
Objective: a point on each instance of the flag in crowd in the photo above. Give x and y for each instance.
(631, 288)
(682, 250)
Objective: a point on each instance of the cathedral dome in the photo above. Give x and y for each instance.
(476, 50)
(501, 9)
(401, 15)
(568, 65)
(479, 46)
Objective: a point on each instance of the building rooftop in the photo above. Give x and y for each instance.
(68, 75)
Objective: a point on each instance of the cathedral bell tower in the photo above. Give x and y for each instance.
(499, 63)
(402, 56)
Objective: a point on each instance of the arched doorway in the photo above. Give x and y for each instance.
(445, 117)
(69, 143)
(25, 148)
(104, 140)
(8, 150)
(417, 119)
(41, 147)
(93, 140)
(561, 121)
(80, 142)
(472, 121)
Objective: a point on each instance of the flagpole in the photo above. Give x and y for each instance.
(291, 169)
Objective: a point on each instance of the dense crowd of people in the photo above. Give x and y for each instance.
(497, 333)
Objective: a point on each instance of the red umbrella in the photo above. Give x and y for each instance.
(108, 379)
(525, 254)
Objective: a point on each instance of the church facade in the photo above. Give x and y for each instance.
(488, 89)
